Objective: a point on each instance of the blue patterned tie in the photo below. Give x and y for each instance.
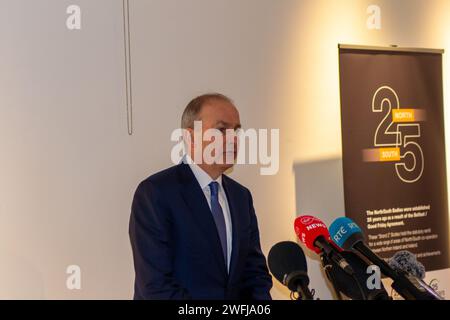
(219, 219)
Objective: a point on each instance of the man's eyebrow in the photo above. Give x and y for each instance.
(226, 124)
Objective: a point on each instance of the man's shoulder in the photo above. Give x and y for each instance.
(235, 185)
(162, 179)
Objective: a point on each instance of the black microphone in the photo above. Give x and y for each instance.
(287, 263)
(348, 236)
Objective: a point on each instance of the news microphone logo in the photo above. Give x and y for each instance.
(308, 229)
(306, 220)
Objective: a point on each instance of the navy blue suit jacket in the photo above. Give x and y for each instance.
(176, 248)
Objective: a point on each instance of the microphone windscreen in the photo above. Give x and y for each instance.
(284, 258)
(407, 261)
(345, 233)
(308, 229)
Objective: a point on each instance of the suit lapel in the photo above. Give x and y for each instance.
(195, 199)
(233, 203)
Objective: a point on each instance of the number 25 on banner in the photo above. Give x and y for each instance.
(396, 136)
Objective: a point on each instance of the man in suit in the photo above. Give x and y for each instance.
(193, 230)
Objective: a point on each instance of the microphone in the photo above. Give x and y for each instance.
(347, 235)
(315, 236)
(407, 261)
(287, 263)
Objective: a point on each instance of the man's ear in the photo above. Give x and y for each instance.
(190, 137)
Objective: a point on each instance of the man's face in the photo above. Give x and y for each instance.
(220, 115)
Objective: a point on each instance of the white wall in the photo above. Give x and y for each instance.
(68, 168)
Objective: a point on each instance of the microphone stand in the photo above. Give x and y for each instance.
(304, 294)
(297, 282)
(327, 265)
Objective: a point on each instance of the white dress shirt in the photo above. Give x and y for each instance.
(204, 180)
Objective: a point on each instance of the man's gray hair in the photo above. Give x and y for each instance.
(193, 109)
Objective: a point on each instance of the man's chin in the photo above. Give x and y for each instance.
(226, 165)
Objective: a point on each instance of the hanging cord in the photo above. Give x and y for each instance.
(127, 46)
(363, 294)
(327, 269)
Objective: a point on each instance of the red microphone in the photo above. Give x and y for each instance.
(315, 236)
